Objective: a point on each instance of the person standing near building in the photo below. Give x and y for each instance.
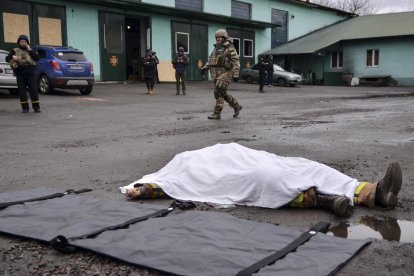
(262, 73)
(157, 61)
(149, 64)
(270, 70)
(23, 62)
(224, 64)
(179, 62)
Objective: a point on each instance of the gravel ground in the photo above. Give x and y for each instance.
(117, 134)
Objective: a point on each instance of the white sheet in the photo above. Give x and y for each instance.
(234, 174)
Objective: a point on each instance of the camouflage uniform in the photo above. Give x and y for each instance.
(24, 69)
(224, 64)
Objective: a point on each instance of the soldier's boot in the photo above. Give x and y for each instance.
(214, 116)
(337, 204)
(184, 91)
(389, 186)
(36, 106)
(178, 89)
(25, 106)
(384, 192)
(237, 110)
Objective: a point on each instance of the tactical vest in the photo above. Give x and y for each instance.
(220, 57)
(24, 58)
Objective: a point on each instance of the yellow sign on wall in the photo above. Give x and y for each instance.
(14, 25)
(50, 31)
(114, 61)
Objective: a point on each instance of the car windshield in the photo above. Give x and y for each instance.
(278, 68)
(3, 57)
(70, 56)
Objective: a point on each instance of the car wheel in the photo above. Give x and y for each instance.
(44, 85)
(249, 79)
(14, 91)
(85, 90)
(281, 82)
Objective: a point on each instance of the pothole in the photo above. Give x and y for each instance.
(389, 229)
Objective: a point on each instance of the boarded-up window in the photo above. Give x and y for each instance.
(372, 57)
(194, 5)
(241, 10)
(15, 25)
(50, 31)
(280, 33)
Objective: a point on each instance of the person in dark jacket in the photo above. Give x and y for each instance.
(23, 62)
(157, 61)
(262, 73)
(270, 70)
(149, 71)
(179, 62)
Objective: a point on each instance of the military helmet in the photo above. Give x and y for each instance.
(221, 33)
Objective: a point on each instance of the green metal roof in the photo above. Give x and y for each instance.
(185, 14)
(362, 27)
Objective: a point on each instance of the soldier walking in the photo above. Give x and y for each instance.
(23, 61)
(224, 64)
(179, 62)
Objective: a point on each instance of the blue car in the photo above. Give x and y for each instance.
(63, 67)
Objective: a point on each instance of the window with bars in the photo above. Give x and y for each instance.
(372, 57)
(337, 59)
(194, 5)
(241, 10)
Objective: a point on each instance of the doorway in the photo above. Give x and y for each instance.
(135, 46)
(123, 42)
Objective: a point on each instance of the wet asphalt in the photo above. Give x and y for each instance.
(117, 134)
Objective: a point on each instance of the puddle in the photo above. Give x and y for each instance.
(376, 228)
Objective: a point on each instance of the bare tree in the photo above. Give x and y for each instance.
(360, 7)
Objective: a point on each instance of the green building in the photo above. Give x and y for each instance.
(375, 49)
(115, 35)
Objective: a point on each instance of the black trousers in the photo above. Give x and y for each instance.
(149, 82)
(261, 81)
(180, 79)
(26, 82)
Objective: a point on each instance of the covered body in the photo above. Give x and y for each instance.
(234, 174)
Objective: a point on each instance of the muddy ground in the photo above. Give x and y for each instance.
(117, 134)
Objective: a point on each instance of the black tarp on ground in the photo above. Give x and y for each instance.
(70, 215)
(182, 242)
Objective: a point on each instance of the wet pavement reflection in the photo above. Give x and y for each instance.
(376, 228)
